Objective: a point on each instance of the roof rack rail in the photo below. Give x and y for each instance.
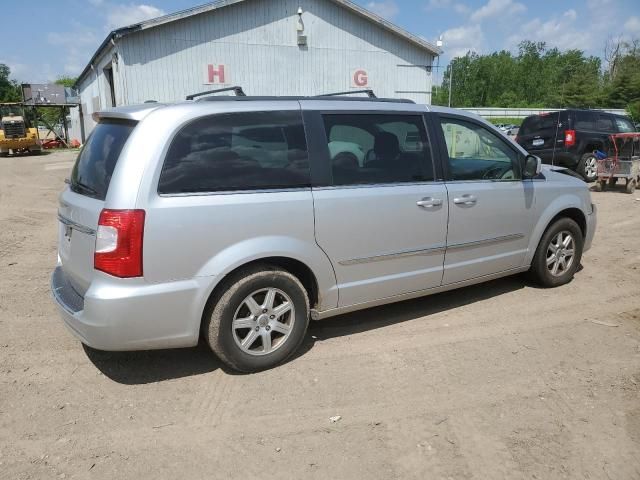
(237, 90)
(368, 91)
(322, 98)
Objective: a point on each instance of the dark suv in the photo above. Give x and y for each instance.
(569, 137)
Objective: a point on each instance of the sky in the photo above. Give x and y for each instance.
(55, 38)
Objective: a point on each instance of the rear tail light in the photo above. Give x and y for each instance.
(119, 243)
(569, 138)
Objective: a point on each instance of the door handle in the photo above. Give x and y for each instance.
(465, 200)
(429, 202)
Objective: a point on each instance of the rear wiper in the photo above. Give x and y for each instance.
(84, 188)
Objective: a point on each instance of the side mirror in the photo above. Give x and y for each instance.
(532, 166)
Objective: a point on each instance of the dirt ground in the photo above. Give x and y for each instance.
(501, 380)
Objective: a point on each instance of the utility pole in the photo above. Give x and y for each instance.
(450, 82)
(439, 44)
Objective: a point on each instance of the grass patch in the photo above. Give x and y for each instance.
(514, 121)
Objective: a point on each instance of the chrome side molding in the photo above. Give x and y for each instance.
(487, 241)
(393, 256)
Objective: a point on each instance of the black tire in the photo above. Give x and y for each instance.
(539, 271)
(589, 174)
(219, 316)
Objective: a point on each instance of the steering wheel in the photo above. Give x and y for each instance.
(499, 172)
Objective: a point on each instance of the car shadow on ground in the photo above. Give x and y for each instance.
(150, 366)
(619, 187)
(383, 316)
(134, 368)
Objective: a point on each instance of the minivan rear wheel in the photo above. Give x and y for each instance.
(558, 254)
(588, 167)
(259, 320)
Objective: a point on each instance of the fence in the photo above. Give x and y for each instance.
(492, 112)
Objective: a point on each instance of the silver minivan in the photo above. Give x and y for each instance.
(240, 218)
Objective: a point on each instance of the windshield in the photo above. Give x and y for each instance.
(92, 172)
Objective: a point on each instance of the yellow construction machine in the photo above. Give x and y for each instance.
(16, 135)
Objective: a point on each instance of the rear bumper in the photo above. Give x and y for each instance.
(116, 314)
(20, 143)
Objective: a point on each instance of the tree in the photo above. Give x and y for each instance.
(537, 76)
(622, 88)
(66, 81)
(9, 89)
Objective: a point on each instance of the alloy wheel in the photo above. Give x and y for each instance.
(560, 253)
(591, 167)
(263, 322)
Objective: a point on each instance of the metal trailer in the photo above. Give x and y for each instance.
(622, 161)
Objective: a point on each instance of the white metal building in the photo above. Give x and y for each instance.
(269, 47)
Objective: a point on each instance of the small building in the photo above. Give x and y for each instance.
(268, 47)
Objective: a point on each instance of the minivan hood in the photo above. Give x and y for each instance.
(553, 172)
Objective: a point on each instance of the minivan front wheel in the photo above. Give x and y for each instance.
(588, 167)
(558, 254)
(259, 320)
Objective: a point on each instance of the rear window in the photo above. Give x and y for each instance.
(237, 151)
(92, 172)
(539, 123)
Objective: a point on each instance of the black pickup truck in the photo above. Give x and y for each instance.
(568, 138)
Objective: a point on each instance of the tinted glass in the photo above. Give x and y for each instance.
(585, 121)
(538, 123)
(605, 123)
(92, 172)
(623, 125)
(475, 153)
(237, 151)
(370, 149)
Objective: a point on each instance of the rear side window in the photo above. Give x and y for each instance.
(378, 148)
(237, 151)
(605, 123)
(92, 172)
(585, 121)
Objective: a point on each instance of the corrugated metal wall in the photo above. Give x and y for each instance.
(256, 40)
(95, 93)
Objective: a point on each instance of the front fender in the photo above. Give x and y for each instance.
(559, 204)
(258, 248)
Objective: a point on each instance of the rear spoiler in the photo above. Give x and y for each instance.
(132, 113)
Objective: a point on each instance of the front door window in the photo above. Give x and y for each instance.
(476, 153)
